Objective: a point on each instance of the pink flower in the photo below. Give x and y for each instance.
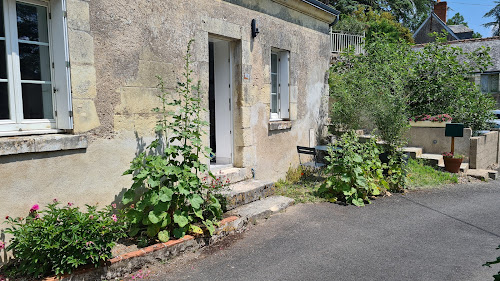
(34, 208)
(55, 200)
(115, 219)
(91, 217)
(6, 217)
(70, 204)
(132, 206)
(113, 205)
(2, 245)
(89, 243)
(37, 216)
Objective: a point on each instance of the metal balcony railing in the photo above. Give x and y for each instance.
(342, 41)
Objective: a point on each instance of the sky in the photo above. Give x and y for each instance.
(473, 12)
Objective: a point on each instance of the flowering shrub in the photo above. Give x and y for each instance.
(451, 155)
(59, 239)
(436, 118)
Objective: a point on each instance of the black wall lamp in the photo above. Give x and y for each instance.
(255, 28)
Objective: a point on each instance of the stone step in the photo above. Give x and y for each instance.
(262, 208)
(434, 160)
(481, 174)
(234, 175)
(247, 191)
(415, 152)
(464, 167)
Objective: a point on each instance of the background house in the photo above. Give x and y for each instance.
(75, 105)
(436, 22)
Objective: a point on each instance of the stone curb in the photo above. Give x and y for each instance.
(128, 262)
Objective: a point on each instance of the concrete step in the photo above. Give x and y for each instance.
(415, 152)
(434, 160)
(234, 175)
(262, 208)
(481, 174)
(464, 167)
(247, 191)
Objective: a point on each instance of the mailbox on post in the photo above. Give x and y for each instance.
(454, 130)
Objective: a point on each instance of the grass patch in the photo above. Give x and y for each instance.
(301, 184)
(420, 175)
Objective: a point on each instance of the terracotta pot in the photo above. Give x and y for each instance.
(452, 165)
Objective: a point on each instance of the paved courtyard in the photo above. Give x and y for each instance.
(439, 234)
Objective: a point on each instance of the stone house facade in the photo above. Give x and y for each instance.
(76, 99)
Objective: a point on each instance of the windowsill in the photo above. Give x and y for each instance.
(41, 143)
(275, 125)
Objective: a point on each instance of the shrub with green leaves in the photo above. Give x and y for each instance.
(355, 171)
(168, 195)
(59, 239)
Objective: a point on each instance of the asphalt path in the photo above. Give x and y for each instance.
(439, 234)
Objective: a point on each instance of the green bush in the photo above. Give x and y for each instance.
(355, 171)
(59, 239)
(169, 196)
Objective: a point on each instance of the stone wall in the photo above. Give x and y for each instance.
(433, 141)
(484, 150)
(116, 50)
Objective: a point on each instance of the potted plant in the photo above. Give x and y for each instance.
(452, 162)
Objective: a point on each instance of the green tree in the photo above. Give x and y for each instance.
(439, 84)
(495, 24)
(374, 22)
(409, 12)
(456, 20)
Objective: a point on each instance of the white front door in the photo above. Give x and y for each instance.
(223, 102)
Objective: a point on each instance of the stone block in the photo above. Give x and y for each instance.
(244, 137)
(78, 15)
(242, 117)
(201, 46)
(138, 100)
(246, 53)
(221, 27)
(81, 46)
(148, 72)
(293, 111)
(83, 81)
(245, 156)
(142, 124)
(85, 115)
(280, 125)
(294, 93)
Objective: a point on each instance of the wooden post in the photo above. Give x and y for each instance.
(453, 145)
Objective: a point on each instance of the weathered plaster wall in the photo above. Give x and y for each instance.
(116, 50)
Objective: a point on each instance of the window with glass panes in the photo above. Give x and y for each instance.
(489, 83)
(27, 66)
(279, 85)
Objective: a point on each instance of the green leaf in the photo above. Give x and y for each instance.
(133, 231)
(166, 194)
(196, 201)
(210, 226)
(195, 229)
(153, 230)
(153, 218)
(153, 183)
(128, 197)
(163, 236)
(166, 221)
(180, 219)
(199, 213)
(179, 232)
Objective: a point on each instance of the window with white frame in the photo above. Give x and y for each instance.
(280, 96)
(489, 83)
(34, 67)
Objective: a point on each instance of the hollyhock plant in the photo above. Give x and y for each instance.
(2, 245)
